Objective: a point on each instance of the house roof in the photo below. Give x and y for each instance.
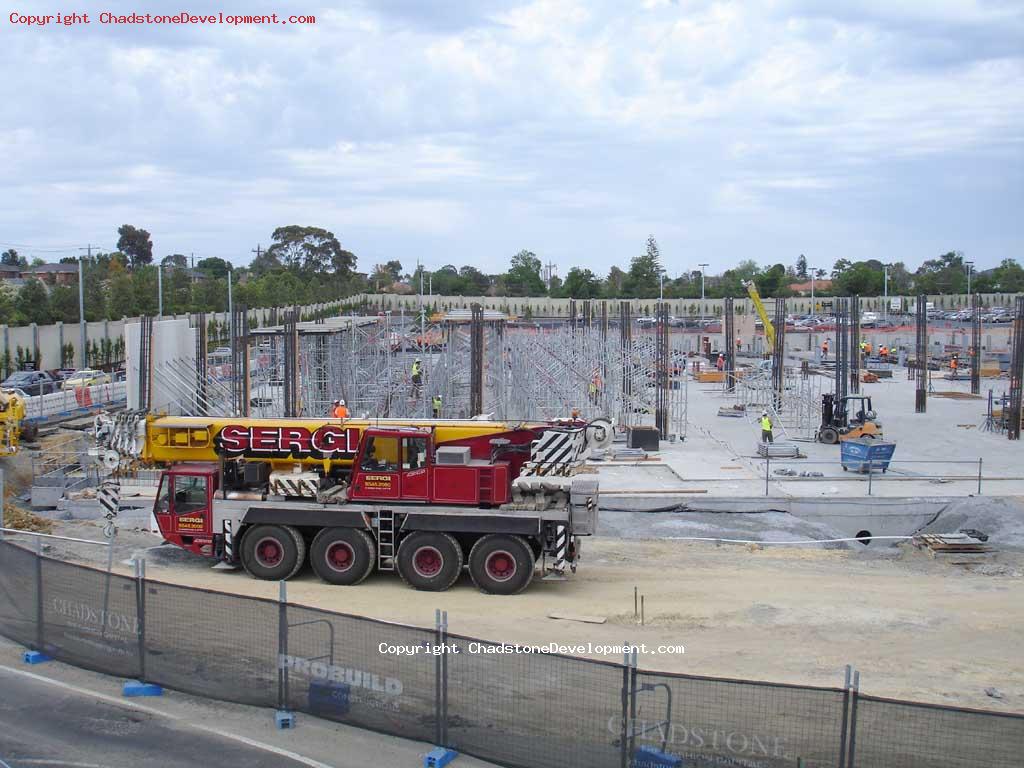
(44, 268)
(822, 285)
(12, 269)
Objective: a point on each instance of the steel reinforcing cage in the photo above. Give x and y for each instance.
(534, 710)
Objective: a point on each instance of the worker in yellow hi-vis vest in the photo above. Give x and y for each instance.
(766, 428)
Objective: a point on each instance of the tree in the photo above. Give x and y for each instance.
(135, 244)
(64, 304)
(523, 277)
(265, 263)
(474, 281)
(614, 283)
(581, 284)
(11, 259)
(312, 249)
(863, 278)
(33, 303)
(1008, 277)
(214, 267)
(643, 279)
(945, 274)
(801, 267)
(773, 281)
(174, 261)
(385, 275)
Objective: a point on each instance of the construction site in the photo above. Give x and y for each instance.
(786, 502)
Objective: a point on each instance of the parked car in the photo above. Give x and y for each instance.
(87, 377)
(33, 382)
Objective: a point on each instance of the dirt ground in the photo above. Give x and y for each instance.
(914, 627)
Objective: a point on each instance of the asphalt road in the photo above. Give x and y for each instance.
(44, 726)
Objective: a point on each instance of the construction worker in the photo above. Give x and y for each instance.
(720, 365)
(883, 352)
(417, 377)
(739, 343)
(766, 428)
(867, 349)
(340, 409)
(863, 348)
(824, 348)
(954, 364)
(435, 404)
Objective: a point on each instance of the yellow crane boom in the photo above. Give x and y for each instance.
(769, 329)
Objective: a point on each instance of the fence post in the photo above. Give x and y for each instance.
(444, 680)
(437, 677)
(282, 650)
(853, 717)
(846, 718)
(767, 464)
(626, 725)
(871, 466)
(40, 634)
(979, 476)
(140, 613)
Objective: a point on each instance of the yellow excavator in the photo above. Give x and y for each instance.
(12, 423)
(769, 329)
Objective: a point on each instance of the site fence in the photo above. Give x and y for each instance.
(524, 709)
(76, 400)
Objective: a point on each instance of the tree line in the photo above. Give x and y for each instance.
(647, 278)
(303, 265)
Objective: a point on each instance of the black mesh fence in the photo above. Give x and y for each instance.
(903, 734)
(517, 707)
(18, 599)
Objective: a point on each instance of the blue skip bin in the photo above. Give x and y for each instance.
(859, 454)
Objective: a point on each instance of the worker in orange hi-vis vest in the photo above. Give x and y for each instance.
(340, 409)
(954, 365)
(824, 348)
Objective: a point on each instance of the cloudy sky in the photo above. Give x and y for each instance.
(463, 131)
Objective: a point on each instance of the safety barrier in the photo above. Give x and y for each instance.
(517, 707)
(76, 400)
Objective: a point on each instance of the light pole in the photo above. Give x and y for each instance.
(970, 268)
(82, 341)
(160, 290)
(231, 314)
(661, 287)
(885, 271)
(702, 291)
(814, 308)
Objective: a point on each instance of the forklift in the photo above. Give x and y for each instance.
(847, 419)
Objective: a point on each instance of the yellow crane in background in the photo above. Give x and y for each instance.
(12, 429)
(769, 329)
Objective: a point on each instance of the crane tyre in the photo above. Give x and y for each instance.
(29, 432)
(501, 564)
(829, 436)
(429, 561)
(273, 552)
(343, 556)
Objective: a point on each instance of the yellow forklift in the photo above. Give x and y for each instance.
(847, 419)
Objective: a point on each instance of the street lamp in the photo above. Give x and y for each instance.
(702, 288)
(885, 272)
(814, 308)
(970, 268)
(661, 287)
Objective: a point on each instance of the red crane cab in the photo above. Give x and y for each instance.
(404, 465)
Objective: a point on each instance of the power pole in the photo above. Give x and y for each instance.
(83, 352)
(257, 250)
(160, 290)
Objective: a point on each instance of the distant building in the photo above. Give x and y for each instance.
(10, 272)
(53, 274)
(804, 289)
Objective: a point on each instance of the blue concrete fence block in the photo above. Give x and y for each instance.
(284, 719)
(136, 688)
(35, 657)
(439, 757)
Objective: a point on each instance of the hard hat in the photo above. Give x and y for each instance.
(417, 359)
(337, 402)
(341, 402)
(764, 413)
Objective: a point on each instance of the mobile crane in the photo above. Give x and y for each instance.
(419, 497)
(769, 329)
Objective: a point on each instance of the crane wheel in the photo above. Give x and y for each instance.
(273, 552)
(342, 555)
(29, 432)
(429, 561)
(501, 564)
(829, 436)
